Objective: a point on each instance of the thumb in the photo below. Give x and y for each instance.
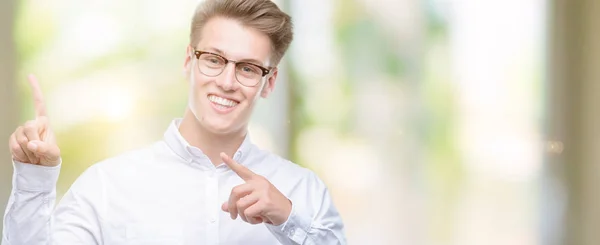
(45, 151)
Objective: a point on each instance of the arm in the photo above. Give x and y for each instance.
(323, 227)
(29, 218)
(313, 220)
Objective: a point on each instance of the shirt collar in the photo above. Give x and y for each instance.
(191, 154)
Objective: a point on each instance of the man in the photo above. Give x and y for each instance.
(205, 183)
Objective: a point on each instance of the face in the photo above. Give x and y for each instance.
(220, 103)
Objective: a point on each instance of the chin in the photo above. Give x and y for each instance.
(219, 126)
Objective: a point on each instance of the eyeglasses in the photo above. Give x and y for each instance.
(246, 73)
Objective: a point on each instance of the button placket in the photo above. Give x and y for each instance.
(212, 201)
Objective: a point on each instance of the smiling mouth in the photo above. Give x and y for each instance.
(221, 102)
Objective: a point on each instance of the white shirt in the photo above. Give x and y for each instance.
(169, 193)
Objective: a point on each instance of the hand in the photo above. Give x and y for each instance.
(34, 142)
(257, 200)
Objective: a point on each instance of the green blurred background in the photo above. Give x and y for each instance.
(432, 121)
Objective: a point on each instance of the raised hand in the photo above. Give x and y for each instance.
(257, 200)
(34, 141)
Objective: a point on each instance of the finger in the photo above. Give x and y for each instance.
(49, 153)
(236, 194)
(254, 214)
(38, 97)
(16, 150)
(244, 203)
(255, 220)
(225, 207)
(22, 140)
(42, 124)
(32, 133)
(240, 170)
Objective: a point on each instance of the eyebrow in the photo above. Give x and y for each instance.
(220, 52)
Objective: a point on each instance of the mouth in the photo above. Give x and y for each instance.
(221, 104)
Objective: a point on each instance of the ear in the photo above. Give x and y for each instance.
(187, 62)
(270, 84)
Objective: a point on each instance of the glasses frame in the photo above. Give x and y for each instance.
(265, 71)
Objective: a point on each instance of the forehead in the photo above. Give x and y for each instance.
(237, 42)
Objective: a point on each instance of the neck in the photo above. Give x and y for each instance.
(211, 144)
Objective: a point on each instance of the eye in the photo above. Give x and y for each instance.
(212, 61)
(249, 69)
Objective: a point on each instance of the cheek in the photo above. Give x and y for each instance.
(198, 83)
(251, 95)
(197, 88)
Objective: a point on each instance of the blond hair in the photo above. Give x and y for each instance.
(262, 15)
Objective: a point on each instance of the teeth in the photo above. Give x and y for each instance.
(222, 101)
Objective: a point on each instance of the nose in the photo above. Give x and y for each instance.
(227, 80)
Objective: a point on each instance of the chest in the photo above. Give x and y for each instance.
(182, 209)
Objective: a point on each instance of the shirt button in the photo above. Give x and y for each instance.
(292, 232)
(213, 220)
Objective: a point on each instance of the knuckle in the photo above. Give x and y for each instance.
(232, 206)
(29, 129)
(22, 141)
(235, 191)
(42, 150)
(266, 199)
(263, 182)
(15, 148)
(29, 125)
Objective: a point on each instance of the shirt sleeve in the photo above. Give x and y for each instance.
(30, 217)
(30, 204)
(317, 223)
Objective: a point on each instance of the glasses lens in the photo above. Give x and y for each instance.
(211, 65)
(248, 74)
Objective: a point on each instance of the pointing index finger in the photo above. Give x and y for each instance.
(245, 173)
(38, 97)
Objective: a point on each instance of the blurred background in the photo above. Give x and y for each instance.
(435, 122)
